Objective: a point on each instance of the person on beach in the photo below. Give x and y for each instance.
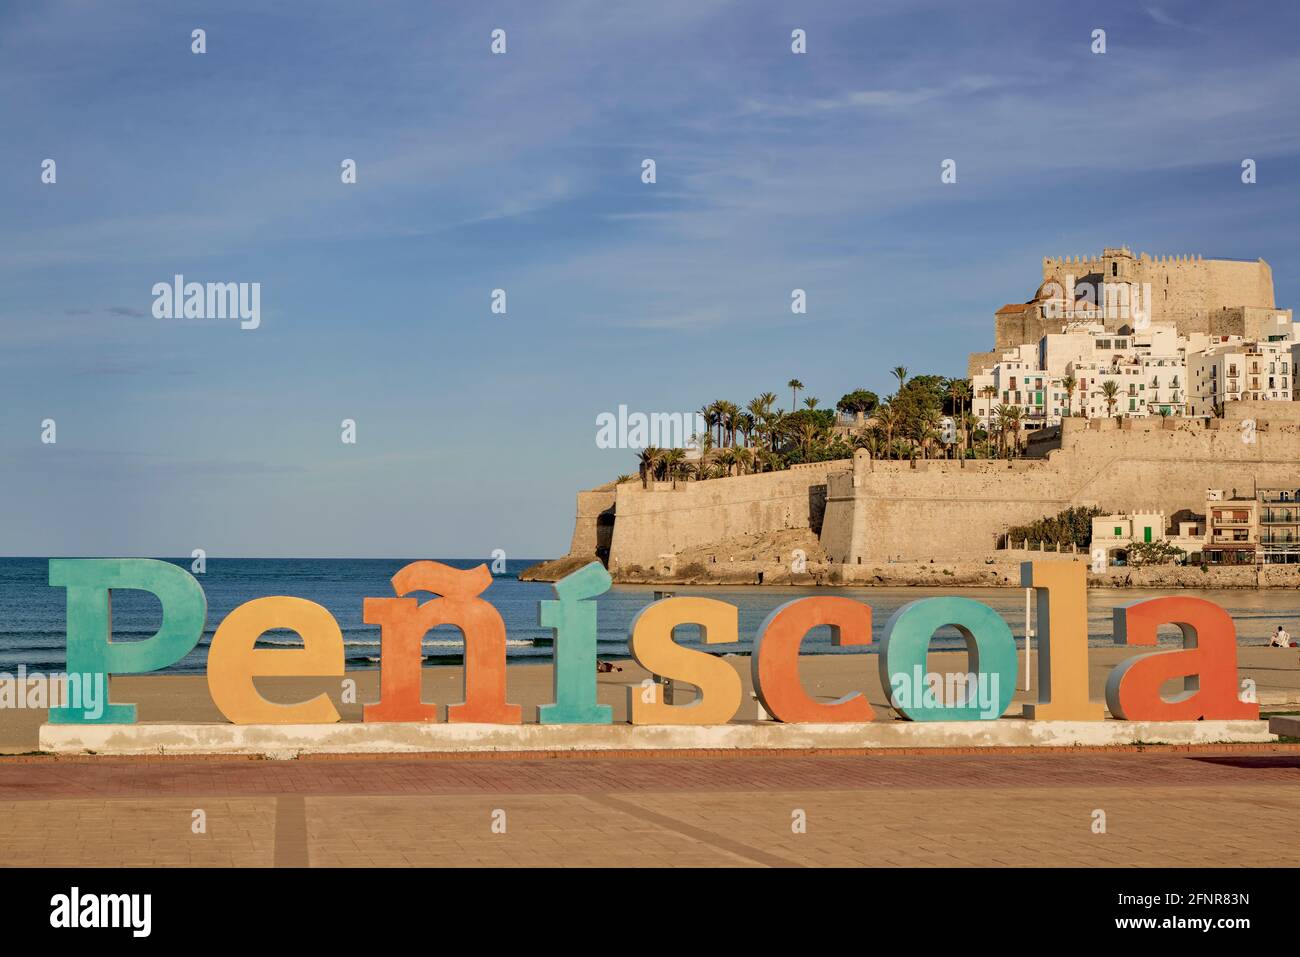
(1280, 638)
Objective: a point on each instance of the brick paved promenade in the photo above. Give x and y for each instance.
(1211, 806)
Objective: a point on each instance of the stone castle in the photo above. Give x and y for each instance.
(1211, 296)
(861, 511)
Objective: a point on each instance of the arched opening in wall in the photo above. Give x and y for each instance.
(604, 533)
(816, 508)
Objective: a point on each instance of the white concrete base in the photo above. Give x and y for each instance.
(288, 741)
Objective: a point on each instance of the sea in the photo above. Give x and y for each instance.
(33, 616)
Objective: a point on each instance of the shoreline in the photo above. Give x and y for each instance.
(988, 573)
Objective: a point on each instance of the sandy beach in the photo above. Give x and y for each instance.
(185, 698)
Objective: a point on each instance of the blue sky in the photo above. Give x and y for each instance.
(522, 171)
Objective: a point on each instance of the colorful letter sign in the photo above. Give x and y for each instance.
(574, 619)
(653, 647)
(406, 622)
(1207, 663)
(91, 649)
(1062, 589)
(234, 661)
(775, 659)
(983, 693)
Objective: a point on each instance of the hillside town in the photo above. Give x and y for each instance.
(1137, 410)
(1133, 336)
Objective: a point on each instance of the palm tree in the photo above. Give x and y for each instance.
(808, 436)
(747, 424)
(768, 400)
(928, 432)
(888, 419)
(1110, 389)
(732, 413)
(1014, 415)
(726, 458)
(757, 413)
(970, 422)
(900, 373)
(673, 460)
(1001, 419)
(1069, 383)
(710, 413)
(811, 402)
(744, 460)
(989, 392)
(959, 392)
(650, 460)
(794, 385)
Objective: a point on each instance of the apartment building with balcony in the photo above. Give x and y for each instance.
(1234, 372)
(1019, 381)
(1231, 528)
(1279, 526)
(1156, 371)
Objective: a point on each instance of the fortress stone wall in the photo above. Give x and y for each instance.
(593, 526)
(661, 520)
(882, 510)
(867, 511)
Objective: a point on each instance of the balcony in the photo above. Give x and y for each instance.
(1280, 495)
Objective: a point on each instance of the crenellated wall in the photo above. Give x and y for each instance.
(1194, 294)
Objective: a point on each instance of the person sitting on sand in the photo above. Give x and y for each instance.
(605, 667)
(1280, 638)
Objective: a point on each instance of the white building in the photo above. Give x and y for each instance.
(1155, 370)
(1239, 371)
(1115, 534)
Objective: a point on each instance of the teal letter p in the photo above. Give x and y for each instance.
(91, 649)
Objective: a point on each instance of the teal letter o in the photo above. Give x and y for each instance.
(990, 647)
